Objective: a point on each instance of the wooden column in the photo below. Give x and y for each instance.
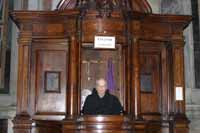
(128, 101)
(180, 119)
(22, 122)
(178, 74)
(72, 84)
(135, 77)
(127, 52)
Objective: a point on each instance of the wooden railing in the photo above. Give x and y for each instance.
(105, 124)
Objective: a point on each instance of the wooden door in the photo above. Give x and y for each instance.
(49, 78)
(151, 77)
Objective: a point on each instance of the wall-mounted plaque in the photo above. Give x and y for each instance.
(104, 42)
(179, 93)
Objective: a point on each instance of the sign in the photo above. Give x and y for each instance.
(107, 42)
(179, 93)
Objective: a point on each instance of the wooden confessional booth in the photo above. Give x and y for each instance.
(57, 61)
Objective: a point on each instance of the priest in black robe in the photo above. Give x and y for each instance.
(101, 102)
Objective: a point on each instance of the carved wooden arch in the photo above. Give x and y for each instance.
(137, 5)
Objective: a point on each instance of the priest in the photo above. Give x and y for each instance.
(101, 102)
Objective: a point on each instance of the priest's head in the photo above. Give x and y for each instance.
(101, 87)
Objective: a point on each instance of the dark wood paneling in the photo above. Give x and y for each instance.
(50, 61)
(150, 96)
(153, 60)
(49, 80)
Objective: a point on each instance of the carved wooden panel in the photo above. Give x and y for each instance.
(150, 80)
(48, 29)
(51, 63)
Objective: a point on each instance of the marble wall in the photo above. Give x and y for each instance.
(155, 5)
(40, 4)
(172, 6)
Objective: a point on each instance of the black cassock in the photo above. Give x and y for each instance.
(107, 105)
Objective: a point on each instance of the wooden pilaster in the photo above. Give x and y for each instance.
(136, 77)
(180, 123)
(72, 85)
(22, 121)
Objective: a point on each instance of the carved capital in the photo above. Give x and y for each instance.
(25, 38)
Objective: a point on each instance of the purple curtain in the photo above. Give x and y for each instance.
(110, 75)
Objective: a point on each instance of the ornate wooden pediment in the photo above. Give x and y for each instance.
(134, 5)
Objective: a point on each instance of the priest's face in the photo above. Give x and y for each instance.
(101, 87)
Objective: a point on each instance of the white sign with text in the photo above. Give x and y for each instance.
(104, 42)
(179, 93)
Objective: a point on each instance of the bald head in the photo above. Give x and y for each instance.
(101, 87)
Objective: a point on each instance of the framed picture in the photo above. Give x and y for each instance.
(146, 83)
(52, 82)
